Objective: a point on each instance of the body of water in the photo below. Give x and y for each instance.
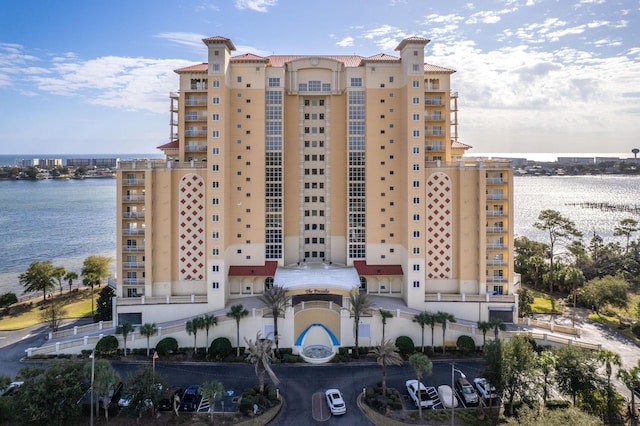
(67, 220)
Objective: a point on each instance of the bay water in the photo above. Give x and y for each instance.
(67, 220)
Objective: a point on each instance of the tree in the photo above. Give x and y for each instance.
(546, 364)
(145, 389)
(124, 329)
(625, 228)
(386, 354)
(444, 318)
(277, 301)
(148, 330)
(38, 278)
(424, 318)
(608, 359)
(384, 315)
(525, 300)
(576, 371)
(260, 354)
(208, 321)
(574, 278)
(529, 260)
(497, 325)
(237, 312)
(518, 368)
(493, 364)
(631, 379)
(105, 378)
(8, 299)
(53, 313)
(484, 326)
(567, 416)
(58, 273)
(559, 228)
(192, 326)
(359, 304)
(94, 269)
(49, 396)
(70, 276)
(104, 304)
(601, 292)
(213, 391)
(421, 364)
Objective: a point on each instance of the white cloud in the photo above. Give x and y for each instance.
(191, 40)
(488, 16)
(346, 42)
(255, 5)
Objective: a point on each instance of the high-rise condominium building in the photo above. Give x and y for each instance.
(321, 174)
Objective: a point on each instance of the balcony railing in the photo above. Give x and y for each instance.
(497, 197)
(496, 262)
(496, 279)
(496, 181)
(191, 118)
(133, 281)
(195, 149)
(133, 182)
(133, 215)
(434, 118)
(432, 87)
(133, 249)
(133, 198)
(496, 246)
(496, 230)
(496, 213)
(434, 148)
(431, 102)
(133, 265)
(196, 133)
(434, 133)
(136, 231)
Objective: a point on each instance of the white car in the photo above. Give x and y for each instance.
(9, 390)
(485, 389)
(424, 399)
(335, 402)
(446, 396)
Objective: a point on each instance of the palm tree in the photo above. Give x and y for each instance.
(608, 359)
(444, 318)
(423, 319)
(384, 315)
(484, 326)
(212, 391)
(386, 354)
(105, 378)
(58, 273)
(148, 330)
(208, 322)
(125, 328)
(498, 325)
(192, 327)
(90, 280)
(277, 301)
(260, 355)
(38, 278)
(421, 364)
(237, 312)
(359, 304)
(70, 276)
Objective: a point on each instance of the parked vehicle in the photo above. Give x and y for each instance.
(485, 389)
(466, 391)
(10, 390)
(447, 397)
(335, 402)
(424, 399)
(190, 400)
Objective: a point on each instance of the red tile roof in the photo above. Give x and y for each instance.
(249, 57)
(268, 270)
(364, 269)
(437, 69)
(381, 57)
(459, 145)
(347, 60)
(173, 144)
(218, 40)
(413, 40)
(203, 67)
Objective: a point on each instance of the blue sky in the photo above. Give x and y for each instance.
(533, 76)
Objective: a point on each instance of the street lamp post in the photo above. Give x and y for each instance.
(453, 370)
(93, 366)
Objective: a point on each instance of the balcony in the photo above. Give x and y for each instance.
(133, 215)
(433, 102)
(434, 118)
(496, 262)
(434, 148)
(432, 88)
(195, 149)
(196, 133)
(497, 213)
(495, 230)
(132, 265)
(434, 133)
(133, 198)
(133, 231)
(133, 182)
(496, 279)
(494, 197)
(496, 246)
(453, 94)
(133, 281)
(497, 181)
(133, 249)
(192, 118)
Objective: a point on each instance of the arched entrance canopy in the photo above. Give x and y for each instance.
(317, 276)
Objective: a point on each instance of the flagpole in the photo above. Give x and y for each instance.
(155, 356)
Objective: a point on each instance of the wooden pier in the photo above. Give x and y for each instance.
(625, 208)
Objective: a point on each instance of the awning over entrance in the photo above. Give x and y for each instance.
(316, 276)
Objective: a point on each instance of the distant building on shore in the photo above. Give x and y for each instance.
(92, 162)
(43, 163)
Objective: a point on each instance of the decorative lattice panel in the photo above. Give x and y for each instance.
(439, 226)
(191, 216)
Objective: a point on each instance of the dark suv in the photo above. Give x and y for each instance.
(466, 392)
(190, 398)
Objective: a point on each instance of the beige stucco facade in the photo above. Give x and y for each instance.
(325, 160)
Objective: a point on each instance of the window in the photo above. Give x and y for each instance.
(215, 252)
(215, 83)
(215, 134)
(215, 167)
(416, 217)
(216, 67)
(416, 133)
(390, 79)
(416, 200)
(215, 150)
(416, 234)
(415, 84)
(416, 250)
(415, 100)
(215, 285)
(215, 268)
(215, 235)
(415, 67)
(274, 81)
(416, 117)
(415, 150)
(416, 267)
(239, 79)
(416, 167)
(215, 184)
(356, 82)
(416, 184)
(215, 201)
(215, 218)
(416, 284)
(215, 117)
(215, 100)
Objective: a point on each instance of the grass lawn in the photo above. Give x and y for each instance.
(78, 305)
(542, 303)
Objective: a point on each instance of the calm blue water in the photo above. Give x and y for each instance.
(67, 220)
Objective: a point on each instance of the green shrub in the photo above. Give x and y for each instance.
(553, 404)
(220, 348)
(635, 328)
(246, 404)
(107, 345)
(466, 344)
(166, 346)
(405, 345)
(286, 351)
(8, 299)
